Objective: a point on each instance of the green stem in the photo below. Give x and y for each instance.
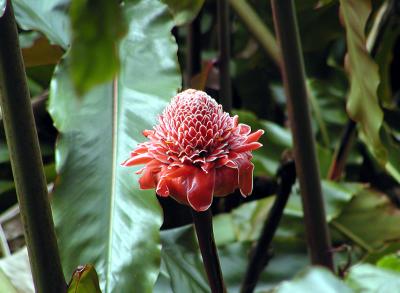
(205, 235)
(257, 28)
(304, 148)
(224, 54)
(26, 162)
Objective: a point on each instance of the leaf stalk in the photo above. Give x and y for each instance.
(293, 73)
(26, 162)
(224, 54)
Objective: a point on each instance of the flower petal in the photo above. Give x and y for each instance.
(185, 170)
(226, 181)
(201, 189)
(244, 129)
(162, 187)
(254, 136)
(137, 160)
(246, 178)
(150, 174)
(248, 147)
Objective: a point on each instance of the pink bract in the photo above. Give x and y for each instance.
(196, 151)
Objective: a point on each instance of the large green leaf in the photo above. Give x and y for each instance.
(5, 284)
(94, 55)
(101, 215)
(362, 103)
(2, 7)
(370, 206)
(182, 260)
(366, 278)
(17, 270)
(314, 280)
(49, 17)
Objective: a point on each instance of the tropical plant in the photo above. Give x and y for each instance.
(317, 77)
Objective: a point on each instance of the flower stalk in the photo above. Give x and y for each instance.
(261, 255)
(26, 162)
(205, 236)
(292, 68)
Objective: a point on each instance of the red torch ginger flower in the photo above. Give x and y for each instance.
(196, 151)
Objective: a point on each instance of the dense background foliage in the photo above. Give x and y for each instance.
(88, 122)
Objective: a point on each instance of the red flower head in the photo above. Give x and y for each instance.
(196, 151)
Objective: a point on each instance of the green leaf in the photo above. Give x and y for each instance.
(5, 284)
(392, 146)
(181, 257)
(314, 280)
(49, 17)
(384, 54)
(17, 270)
(336, 197)
(276, 140)
(366, 278)
(2, 7)
(369, 206)
(4, 156)
(84, 280)
(249, 218)
(328, 29)
(100, 214)
(182, 260)
(390, 262)
(375, 256)
(94, 56)
(288, 259)
(362, 104)
(184, 11)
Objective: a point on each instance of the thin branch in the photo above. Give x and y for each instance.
(204, 231)
(260, 256)
(304, 146)
(224, 54)
(26, 162)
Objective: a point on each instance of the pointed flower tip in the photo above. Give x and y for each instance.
(196, 151)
